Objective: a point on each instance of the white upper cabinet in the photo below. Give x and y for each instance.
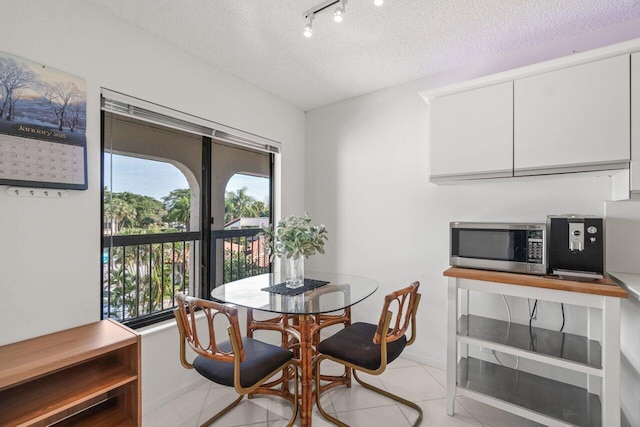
(635, 121)
(573, 119)
(471, 134)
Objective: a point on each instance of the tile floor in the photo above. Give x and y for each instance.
(356, 406)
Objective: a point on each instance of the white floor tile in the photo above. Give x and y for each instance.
(247, 412)
(493, 417)
(402, 363)
(412, 383)
(435, 414)
(378, 416)
(183, 410)
(357, 397)
(317, 421)
(440, 375)
(327, 404)
(279, 408)
(164, 416)
(329, 367)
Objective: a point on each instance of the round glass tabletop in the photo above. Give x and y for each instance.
(339, 292)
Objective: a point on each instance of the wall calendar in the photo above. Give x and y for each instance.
(42, 126)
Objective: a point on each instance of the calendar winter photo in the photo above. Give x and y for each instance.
(42, 125)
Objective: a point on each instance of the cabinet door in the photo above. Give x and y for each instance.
(635, 122)
(472, 134)
(573, 119)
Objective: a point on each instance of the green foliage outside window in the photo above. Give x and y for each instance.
(141, 280)
(241, 262)
(130, 213)
(238, 204)
(144, 280)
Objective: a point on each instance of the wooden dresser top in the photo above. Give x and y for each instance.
(32, 358)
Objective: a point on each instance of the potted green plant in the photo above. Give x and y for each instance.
(294, 239)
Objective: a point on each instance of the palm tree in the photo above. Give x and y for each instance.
(178, 205)
(119, 212)
(235, 203)
(256, 210)
(239, 204)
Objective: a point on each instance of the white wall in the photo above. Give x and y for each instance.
(367, 180)
(50, 251)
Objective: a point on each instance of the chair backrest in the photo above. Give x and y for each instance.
(343, 292)
(206, 344)
(401, 306)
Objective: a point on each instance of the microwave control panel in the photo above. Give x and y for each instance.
(535, 246)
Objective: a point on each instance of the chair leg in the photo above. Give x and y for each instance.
(295, 396)
(336, 421)
(391, 396)
(221, 413)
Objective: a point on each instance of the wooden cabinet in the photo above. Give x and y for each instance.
(573, 119)
(532, 388)
(472, 134)
(85, 376)
(635, 122)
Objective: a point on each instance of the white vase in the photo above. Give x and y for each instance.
(294, 272)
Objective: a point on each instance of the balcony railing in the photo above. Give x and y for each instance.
(244, 254)
(142, 273)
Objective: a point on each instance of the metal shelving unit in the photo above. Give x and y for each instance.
(545, 400)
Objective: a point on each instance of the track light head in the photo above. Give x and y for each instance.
(308, 28)
(337, 15)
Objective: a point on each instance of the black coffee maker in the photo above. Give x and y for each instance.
(575, 248)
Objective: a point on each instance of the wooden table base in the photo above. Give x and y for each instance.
(301, 334)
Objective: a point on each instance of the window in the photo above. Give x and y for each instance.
(168, 187)
(241, 185)
(247, 211)
(151, 227)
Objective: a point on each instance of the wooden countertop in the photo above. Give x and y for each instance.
(606, 287)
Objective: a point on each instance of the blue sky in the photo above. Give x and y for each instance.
(257, 187)
(158, 179)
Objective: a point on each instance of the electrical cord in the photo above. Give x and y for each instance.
(562, 308)
(506, 304)
(532, 315)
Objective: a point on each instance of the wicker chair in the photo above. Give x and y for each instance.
(242, 363)
(369, 348)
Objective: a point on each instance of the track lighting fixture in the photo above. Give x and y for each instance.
(338, 14)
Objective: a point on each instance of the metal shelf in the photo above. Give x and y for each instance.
(569, 351)
(542, 399)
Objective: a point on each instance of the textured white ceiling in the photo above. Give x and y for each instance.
(261, 41)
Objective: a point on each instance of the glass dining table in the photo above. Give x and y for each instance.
(326, 299)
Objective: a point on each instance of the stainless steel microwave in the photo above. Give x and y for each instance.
(515, 247)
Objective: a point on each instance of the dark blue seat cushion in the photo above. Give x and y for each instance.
(261, 360)
(354, 344)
